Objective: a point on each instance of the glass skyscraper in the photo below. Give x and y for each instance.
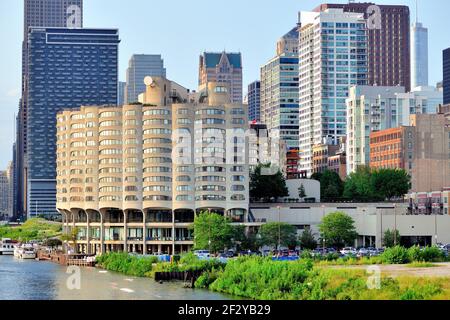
(67, 68)
(419, 55)
(254, 103)
(279, 98)
(446, 75)
(38, 13)
(333, 55)
(139, 67)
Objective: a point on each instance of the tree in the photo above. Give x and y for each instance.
(358, 185)
(307, 240)
(72, 236)
(390, 237)
(274, 233)
(331, 185)
(390, 183)
(338, 229)
(212, 231)
(376, 185)
(243, 240)
(301, 192)
(263, 186)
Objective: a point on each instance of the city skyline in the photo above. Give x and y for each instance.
(231, 37)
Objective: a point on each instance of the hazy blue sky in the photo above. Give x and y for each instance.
(181, 29)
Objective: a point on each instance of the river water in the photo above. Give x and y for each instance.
(33, 280)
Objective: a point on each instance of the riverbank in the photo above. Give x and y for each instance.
(32, 229)
(32, 280)
(261, 278)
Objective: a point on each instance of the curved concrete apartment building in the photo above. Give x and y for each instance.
(131, 178)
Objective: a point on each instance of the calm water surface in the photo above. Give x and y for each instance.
(32, 280)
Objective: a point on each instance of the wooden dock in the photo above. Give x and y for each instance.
(81, 260)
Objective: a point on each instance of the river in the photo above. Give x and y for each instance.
(33, 280)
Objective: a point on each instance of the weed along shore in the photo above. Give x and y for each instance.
(261, 278)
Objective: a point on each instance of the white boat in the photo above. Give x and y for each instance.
(6, 247)
(25, 252)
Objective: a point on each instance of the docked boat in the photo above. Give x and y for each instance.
(7, 247)
(25, 252)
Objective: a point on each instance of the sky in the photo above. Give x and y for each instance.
(181, 30)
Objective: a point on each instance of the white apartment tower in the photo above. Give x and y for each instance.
(332, 57)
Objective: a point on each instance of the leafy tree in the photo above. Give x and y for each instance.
(243, 240)
(72, 236)
(389, 238)
(273, 233)
(307, 240)
(316, 176)
(331, 185)
(358, 185)
(301, 192)
(376, 185)
(263, 186)
(338, 229)
(390, 183)
(212, 231)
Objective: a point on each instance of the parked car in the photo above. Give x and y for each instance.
(363, 252)
(349, 251)
(202, 253)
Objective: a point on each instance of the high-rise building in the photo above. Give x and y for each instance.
(139, 67)
(388, 45)
(4, 195)
(446, 75)
(254, 101)
(371, 109)
(67, 68)
(422, 149)
(10, 177)
(289, 42)
(149, 168)
(121, 93)
(222, 67)
(333, 56)
(419, 55)
(38, 13)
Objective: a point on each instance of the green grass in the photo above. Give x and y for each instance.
(421, 264)
(260, 279)
(32, 229)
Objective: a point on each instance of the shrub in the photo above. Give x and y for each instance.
(396, 255)
(207, 278)
(432, 254)
(427, 254)
(415, 254)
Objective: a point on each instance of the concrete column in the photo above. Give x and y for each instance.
(173, 232)
(144, 233)
(102, 234)
(88, 236)
(125, 230)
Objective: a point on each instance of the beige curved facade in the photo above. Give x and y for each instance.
(133, 177)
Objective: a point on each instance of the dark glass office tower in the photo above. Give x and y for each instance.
(446, 74)
(38, 13)
(254, 101)
(67, 68)
(389, 57)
